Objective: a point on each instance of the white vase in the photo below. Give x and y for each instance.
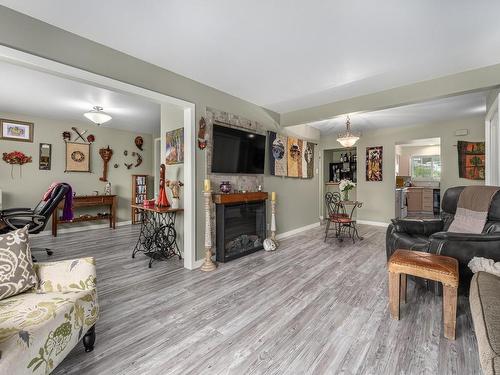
(175, 203)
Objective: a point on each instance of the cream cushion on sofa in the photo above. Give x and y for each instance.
(484, 298)
(38, 329)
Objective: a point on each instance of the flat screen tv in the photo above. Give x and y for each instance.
(237, 151)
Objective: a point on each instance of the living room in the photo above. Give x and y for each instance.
(249, 253)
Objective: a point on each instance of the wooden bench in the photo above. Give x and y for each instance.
(428, 266)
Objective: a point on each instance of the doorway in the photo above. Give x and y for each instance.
(418, 178)
(48, 66)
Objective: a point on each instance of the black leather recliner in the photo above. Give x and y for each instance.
(431, 236)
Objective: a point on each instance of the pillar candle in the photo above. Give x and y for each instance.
(273, 196)
(207, 185)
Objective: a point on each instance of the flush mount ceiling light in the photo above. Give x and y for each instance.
(97, 115)
(348, 139)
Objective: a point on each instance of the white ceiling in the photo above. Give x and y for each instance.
(446, 109)
(286, 55)
(30, 92)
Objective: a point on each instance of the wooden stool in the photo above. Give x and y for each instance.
(428, 266)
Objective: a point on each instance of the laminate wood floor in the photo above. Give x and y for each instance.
(308, 308)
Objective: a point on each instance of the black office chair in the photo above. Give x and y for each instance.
(37, 218)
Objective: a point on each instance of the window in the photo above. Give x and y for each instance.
(426, 167)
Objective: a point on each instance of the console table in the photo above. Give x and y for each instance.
(87, 201)
(158, 238)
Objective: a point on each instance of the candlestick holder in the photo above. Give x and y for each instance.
(273, 222)
(208, 264)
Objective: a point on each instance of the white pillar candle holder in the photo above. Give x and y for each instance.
(273, 222)
(208, 264)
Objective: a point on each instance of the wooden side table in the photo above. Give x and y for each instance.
(428, 266)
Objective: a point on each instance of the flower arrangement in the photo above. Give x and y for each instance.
(16, 157)
(344, 187)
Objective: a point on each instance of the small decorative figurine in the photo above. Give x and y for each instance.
(66, 136)
(91, 138)
(107, 188)
(162, 195)
(139, 142)
(225, 187)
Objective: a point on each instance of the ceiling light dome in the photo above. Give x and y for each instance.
(348, 139)
(97, 115)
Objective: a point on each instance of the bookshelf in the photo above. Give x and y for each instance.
(139, 194)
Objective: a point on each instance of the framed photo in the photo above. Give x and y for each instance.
(77, 157)
(174, 146)
(45, 158)
(12, 130)
(374, 163)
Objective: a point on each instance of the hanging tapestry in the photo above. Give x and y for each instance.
(308, 160)
(374, 163)
(278, 154)
(471, 160)
(294, 157)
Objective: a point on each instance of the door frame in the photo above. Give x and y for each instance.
(52, 67)
(492, 144)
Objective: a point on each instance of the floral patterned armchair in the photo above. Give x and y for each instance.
(40, 327)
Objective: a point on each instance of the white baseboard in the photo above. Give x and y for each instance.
(197, 264)
(81, 228)
(375, 223)
(297, 230)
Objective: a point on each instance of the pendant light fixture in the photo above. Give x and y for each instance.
(348, 139)
(97, 115)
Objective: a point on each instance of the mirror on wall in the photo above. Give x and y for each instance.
(45, 156)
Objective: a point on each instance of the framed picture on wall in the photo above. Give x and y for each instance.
(77, 157)
(45, 157)
(12, 130)
(174, 141)
(374, 163)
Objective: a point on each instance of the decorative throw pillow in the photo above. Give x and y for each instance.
(484, 264)
(16, 267)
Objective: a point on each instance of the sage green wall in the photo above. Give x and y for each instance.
(298, 197)
(27, 190)
(378, 197)
(172, 117)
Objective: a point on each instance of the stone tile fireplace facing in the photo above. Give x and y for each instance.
(241, 229)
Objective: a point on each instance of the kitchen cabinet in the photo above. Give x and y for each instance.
(420, 200)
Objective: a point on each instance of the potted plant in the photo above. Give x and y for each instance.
(345, 186)
(175, 187)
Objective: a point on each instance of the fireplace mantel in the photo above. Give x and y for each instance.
(237, 198)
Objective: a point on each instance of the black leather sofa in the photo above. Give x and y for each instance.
(432, 236)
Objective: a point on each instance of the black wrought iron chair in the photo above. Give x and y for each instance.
(337, 214)
(37, 218)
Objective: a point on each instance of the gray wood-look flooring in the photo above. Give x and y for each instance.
(309, 308)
